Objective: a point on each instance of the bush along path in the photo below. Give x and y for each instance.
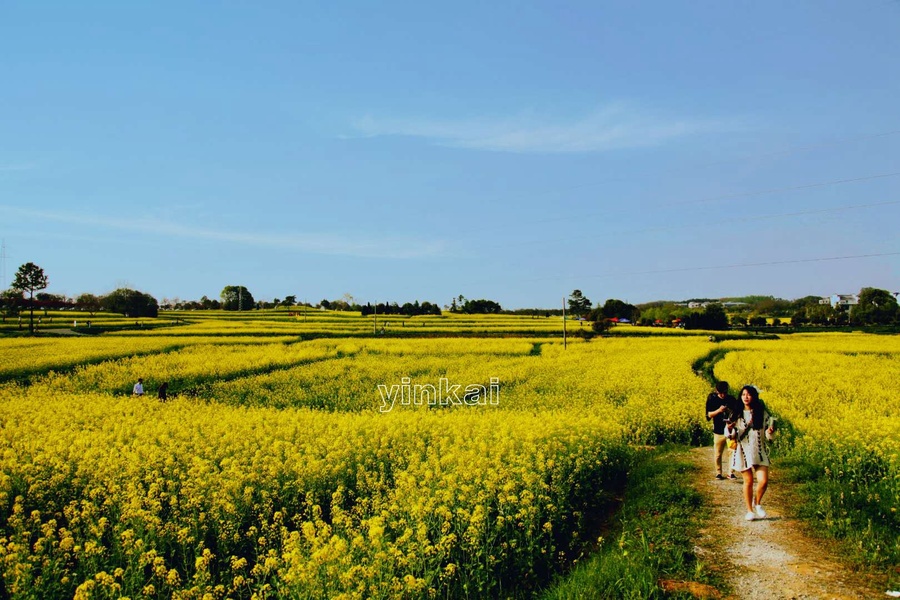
(772, 557)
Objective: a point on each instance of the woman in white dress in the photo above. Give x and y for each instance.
(751, 428)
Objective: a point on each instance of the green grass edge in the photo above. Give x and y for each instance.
(651, 538)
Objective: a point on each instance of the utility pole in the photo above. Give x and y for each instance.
(375, 321)
(564, 323)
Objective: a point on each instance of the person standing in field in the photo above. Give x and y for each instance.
(138, 387)
(752, 427)
(163, 391)
(720, 406)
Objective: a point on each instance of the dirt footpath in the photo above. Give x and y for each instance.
(771, 557)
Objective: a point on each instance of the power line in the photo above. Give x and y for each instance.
(770, 263)
(544, 242)
(745, 158)
(837, 142)
(785, 189)
(740, 159)
(716, 267)
(711, 199)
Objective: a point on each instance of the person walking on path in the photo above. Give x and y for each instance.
(720, 407)
(138, 387)
(751, 428)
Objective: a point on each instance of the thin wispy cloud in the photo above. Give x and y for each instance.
(611, 128)
(316, 243)
(7, 168)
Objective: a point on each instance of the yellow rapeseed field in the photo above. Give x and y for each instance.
(280, 469)
(838, 394)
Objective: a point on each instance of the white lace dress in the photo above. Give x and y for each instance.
(751, 450)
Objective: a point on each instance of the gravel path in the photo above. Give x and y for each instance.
(771, 557)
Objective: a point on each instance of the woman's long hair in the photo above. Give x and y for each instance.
(756, 406)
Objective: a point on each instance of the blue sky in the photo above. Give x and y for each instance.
(413, 150)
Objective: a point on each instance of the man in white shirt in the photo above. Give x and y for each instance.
(139, 387)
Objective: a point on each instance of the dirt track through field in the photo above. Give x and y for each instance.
(771, 557)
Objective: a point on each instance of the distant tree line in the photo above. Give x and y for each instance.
(410, 309)
(534, 312)
(233, 300)
(30, 278)
(712, 316)
(237, 297)
(615, 309)
(204, 303)
(874, 307)
(463, 305)
(128, 302)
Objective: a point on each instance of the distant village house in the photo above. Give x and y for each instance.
(836, 300)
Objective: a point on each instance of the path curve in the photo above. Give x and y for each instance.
(772, 557)
(60, 332)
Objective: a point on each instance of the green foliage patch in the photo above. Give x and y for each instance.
(650, 539)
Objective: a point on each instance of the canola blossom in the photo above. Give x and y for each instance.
(836, 394)
(190, 498)
(272, 471)
(23, 357)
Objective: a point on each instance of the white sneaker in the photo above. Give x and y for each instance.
(750, 516)
(760, 512)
